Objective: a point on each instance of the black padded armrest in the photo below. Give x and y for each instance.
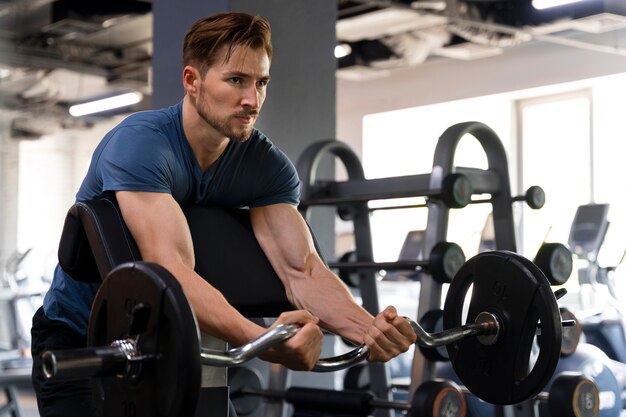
(95, 240)
(230, 258)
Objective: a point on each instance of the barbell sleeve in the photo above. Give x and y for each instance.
(84, 363)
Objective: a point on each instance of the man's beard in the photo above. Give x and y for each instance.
(222, 125)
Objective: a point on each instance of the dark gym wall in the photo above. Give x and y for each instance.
(300, 105)
(170, 20)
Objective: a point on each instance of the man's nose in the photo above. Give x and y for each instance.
(251, 97)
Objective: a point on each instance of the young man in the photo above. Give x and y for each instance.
(205, 150)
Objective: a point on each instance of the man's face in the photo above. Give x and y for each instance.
(232, 92)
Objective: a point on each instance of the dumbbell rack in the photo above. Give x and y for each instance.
(495, 181)
(356, 191)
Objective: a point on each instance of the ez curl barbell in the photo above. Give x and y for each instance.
(144, 342)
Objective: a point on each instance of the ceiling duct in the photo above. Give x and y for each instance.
(78, 17)
(388, 34)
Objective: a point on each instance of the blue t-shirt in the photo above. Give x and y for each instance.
(148, 151)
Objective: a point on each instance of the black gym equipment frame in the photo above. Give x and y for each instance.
(356, 191)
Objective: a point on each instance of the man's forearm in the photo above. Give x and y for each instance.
(324, 295)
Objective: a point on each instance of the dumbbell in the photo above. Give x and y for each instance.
(445, 259)
(571, 394)
(571, 333)
(555, 260)
(534, 197)
(432, 398)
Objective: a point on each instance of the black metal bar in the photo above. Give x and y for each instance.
(483, 181)
(388, 266)
(363, 190)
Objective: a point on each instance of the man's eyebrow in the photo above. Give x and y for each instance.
(246, 75)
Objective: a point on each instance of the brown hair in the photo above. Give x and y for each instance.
(206, 37)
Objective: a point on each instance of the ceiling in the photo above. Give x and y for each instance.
(54, 53)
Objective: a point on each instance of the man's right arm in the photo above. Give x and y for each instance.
(160, 230)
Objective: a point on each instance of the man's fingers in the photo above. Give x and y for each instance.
(390, 313)
(300, 317)
(304, 349)
(389, 335)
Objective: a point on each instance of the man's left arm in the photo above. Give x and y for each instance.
(310, 285)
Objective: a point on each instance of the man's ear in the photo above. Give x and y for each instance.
(191, 78)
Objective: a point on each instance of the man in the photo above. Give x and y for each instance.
(205, 150)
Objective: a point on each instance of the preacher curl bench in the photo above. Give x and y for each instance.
(142, 301)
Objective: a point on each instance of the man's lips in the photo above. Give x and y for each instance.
(246, 118)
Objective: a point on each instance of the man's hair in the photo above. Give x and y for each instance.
(206, 37)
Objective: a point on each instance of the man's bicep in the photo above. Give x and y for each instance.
(158, 226)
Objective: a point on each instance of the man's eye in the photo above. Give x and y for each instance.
(236, 80)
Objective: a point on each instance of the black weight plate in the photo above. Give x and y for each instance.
(167, 385)
(432, 322)
(438, 398)
(555, 260)
(446, 258)
(517, 292)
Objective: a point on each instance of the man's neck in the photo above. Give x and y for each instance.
(206, 143)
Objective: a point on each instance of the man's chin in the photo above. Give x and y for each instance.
(240, 137)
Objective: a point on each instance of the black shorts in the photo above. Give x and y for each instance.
(64, 398)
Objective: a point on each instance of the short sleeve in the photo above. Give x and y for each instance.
(136, 158)
(280, 182)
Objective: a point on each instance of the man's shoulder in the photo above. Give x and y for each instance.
(155, 119)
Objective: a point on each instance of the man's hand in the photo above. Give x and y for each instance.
(301, 351)
(388, 336)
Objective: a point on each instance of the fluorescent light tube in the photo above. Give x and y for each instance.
(104, 104)
(342, 50)
(544, 4)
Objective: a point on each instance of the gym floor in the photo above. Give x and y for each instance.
(28, 403)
